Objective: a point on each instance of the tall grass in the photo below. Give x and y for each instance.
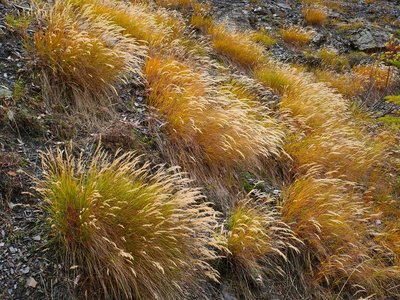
(330, 217)
(255, 235)
(83, 58)
(133, 234)
(210, 123)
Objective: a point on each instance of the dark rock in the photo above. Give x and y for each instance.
(369, 39)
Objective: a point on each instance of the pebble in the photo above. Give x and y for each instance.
(31, 282)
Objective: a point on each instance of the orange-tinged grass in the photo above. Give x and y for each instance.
(83, 57)
(315, 16)
(324, 132)
(137, 20)
(347, 84)
(237, 47)
(329, 216)
(381, 77)
(130, 233)
(295, 36)
(210, 123)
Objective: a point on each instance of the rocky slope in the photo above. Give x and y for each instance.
(28, 267)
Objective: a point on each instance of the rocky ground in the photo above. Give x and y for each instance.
(27, 268)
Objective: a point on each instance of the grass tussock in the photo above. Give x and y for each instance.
(347, 84)
(315, 16)
(83, 57)
(295, 36)
(273, 78)
(329, 216)
(264, 38)
(333, 60)
(327, 135)
(175, 4)
(256, 237)
(237, 47)
(132, 234)
(211, 123)
(380, 77)
(137, 21)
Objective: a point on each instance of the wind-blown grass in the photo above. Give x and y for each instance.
(132, 234)
(255, 235)
(212, 125)
(329, 216)
(83, 58)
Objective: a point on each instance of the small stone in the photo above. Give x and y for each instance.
(378, 222)
(1, 244)
(12, 249)
(36, 238)
(25, 270)
(31, 282)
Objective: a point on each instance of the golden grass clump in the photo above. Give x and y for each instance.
(210, 123)
(83, 57)
(201, 22)
(329, 216)
(380, 77)
(132, 234)
(137, 20)
(264, 38)
(175, 3)
(347, 84)
(236, 46)
(273, 78)
(256, 239)
(331, 59)
(295, 36)
(315, 16)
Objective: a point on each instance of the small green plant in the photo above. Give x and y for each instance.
(134, 235)
(19, 90)
(264, 38)
(393, 99)
(20, 23)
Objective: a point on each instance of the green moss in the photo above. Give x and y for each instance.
(391, 122)
(393, 99)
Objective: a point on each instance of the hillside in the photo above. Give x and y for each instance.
(189, 149)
